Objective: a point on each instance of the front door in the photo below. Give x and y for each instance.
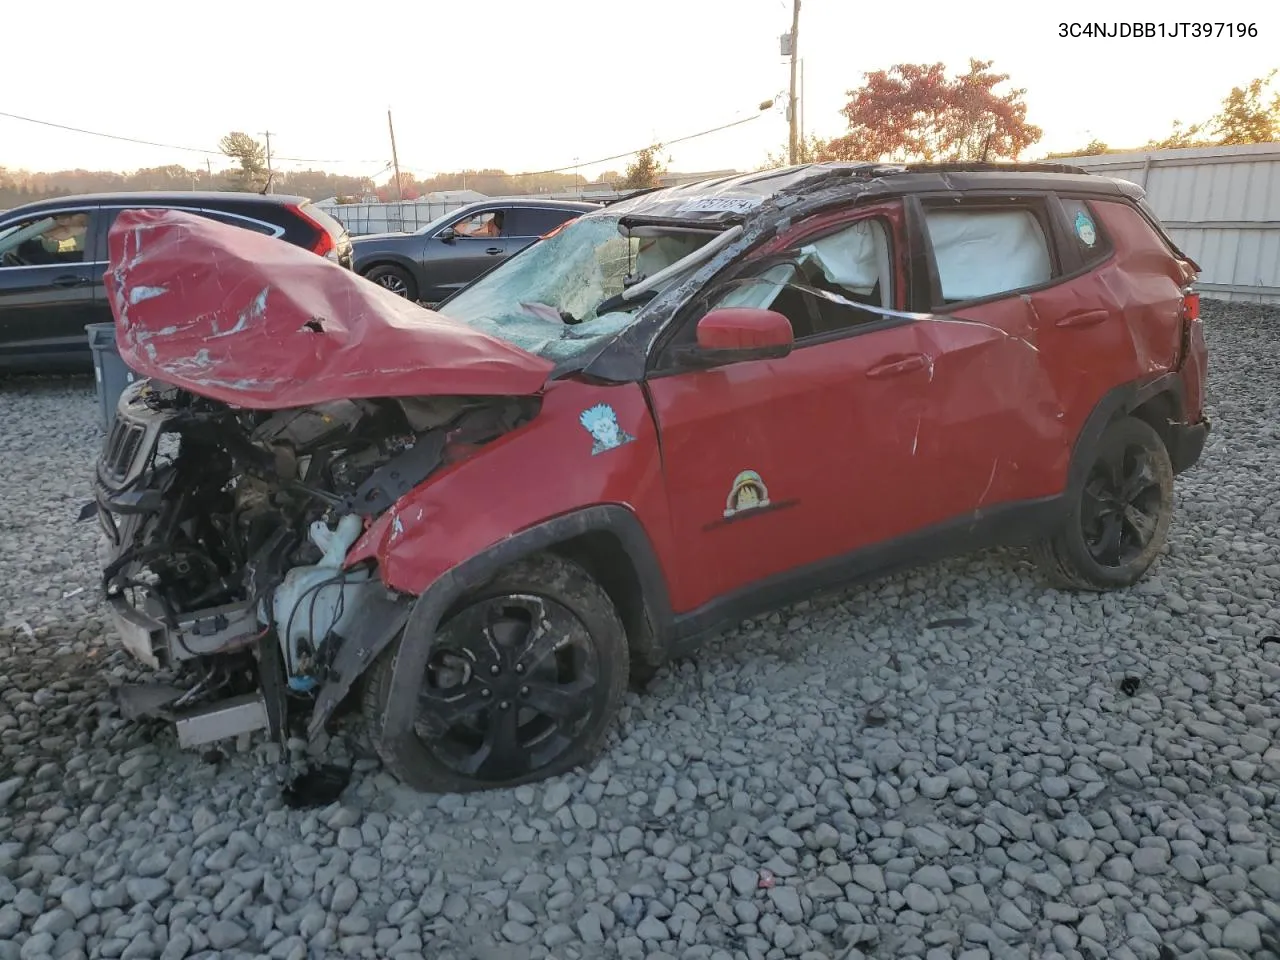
(772, 465)
(478, 243)
(49, 269)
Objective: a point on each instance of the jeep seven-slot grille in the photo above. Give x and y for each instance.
(121, 449)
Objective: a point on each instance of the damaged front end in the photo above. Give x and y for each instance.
(226, 536)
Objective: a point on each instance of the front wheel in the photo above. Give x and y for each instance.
(1119, 521)
(521, 681)
(395, 279)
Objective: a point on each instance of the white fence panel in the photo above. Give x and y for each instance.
(365, 218)
(1220, 204)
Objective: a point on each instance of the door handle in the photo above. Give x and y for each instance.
(70, 281)
(1085, 318)
(895, 368)
(493, 250)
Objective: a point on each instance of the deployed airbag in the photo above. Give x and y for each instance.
(981, 253)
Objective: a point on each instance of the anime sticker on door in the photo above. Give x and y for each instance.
(748, 496)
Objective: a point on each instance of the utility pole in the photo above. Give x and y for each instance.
(267, 134)
(795, 45)
(208, 165)
(395, 160)
(802, 140)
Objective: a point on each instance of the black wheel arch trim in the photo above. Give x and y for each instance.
(385, 259)
(1124, 400)
(422, 616)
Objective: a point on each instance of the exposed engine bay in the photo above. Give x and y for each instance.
(227, 529)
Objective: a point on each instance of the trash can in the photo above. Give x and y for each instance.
(109, 370)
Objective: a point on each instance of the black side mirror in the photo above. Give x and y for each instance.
(448, 235)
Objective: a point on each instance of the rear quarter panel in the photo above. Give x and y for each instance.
(1140, 288)
(544, 469)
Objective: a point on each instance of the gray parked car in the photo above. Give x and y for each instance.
(434, 261)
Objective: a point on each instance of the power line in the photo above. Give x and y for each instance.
(616, 156)
(166, 146)
(535, 173)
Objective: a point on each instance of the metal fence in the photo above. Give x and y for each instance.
(1220, 204)
(365, 218)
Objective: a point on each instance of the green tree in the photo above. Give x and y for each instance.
(1093, 148)
(810, 149)
(252, 157)
(1179, 138)
(1246, 117)
(644, 172)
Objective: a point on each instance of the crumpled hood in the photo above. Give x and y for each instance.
(257, 322)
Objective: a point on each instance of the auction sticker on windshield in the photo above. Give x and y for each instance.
(719, 205)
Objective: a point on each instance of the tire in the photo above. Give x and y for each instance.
(584, 676)
(395, 279)
(1084, 553)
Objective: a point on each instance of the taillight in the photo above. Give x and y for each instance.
(325, 245)
(1190, 306)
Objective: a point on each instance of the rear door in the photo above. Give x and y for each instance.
(50, 265)
(479, 243)
(997, 433)
(526, 224)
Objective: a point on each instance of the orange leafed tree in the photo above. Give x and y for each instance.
(915, 112)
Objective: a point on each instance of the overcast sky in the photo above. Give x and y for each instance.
(536, 84)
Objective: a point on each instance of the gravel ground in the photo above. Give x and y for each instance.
(838, 780)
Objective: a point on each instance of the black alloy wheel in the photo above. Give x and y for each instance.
(1119, 521)
(508, 688)
(520, 682)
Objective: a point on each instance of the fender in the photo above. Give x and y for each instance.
(1121, 400)
(388, 258)
(422, 620)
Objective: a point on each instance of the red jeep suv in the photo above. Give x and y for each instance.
(675, 412)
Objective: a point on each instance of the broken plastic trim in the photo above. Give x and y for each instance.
(393, 480)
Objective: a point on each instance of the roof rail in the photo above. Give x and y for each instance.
(977, 166)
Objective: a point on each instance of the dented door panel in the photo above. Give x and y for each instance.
(1119, 322)
(994, 433)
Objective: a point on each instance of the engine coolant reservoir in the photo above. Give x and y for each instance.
(314, 600)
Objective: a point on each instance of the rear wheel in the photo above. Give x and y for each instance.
(395, 279)
(1119, 522)
(521, 682)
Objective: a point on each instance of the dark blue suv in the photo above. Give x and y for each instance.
(53, 254)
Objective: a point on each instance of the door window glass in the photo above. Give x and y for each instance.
(56, 238)
(485, 226)
(822, 284)
(535, 221)
(988, 251)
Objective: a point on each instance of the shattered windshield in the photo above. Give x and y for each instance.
(562, 296)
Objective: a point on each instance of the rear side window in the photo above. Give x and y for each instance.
(533, 222)
(1089, 236)
(325, 219)
(984, 252)
(248, 223)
